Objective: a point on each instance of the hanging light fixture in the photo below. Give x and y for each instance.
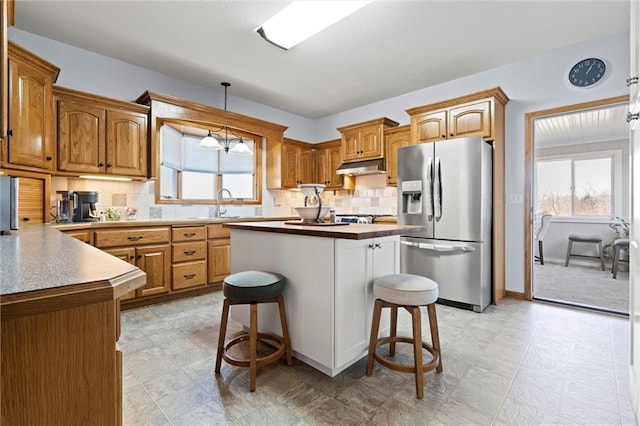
(223, 138)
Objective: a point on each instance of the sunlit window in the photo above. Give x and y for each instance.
(575, 186)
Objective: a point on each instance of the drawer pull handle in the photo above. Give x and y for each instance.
(189, 252)
(189, 234)
(134, 238)
(189, 276)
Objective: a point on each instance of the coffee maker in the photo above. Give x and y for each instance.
(64, 206)
(85, 208)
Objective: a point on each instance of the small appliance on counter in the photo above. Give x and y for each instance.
(64, 206)
(85, 207)
(8, 203)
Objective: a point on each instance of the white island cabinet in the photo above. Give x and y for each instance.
(329, 290)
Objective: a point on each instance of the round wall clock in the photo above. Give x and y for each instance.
(587, 72)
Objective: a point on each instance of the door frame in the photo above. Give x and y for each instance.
(528, 176)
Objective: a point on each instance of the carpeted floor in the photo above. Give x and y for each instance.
(584, 285)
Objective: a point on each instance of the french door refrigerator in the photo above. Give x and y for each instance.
(447, 187)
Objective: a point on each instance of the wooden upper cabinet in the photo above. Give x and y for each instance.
(297, 163)
(364, 141)
(100, 135)
(81, 137)
(471, 119)
(30, 143)
(430, 127)
(328, 159)
(126, 143)
(395, 138)
(469, 115)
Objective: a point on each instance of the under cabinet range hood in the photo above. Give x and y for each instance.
(367, 167)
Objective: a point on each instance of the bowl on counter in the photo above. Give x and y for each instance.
(310, 214)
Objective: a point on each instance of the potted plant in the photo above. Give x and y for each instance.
(620, 228)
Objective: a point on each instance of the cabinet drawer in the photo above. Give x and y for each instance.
(186, 252)
(131, 237)
(217, 231)
(84, 236)
(191, 233)
(191, 274)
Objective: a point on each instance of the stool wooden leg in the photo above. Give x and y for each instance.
(375, 323)
(394, 329)
(566, 262)
(616, 259)
(223, 333)
(417, 350)
(253, 345)
(435, 336)
(601, 255)
(285, 329)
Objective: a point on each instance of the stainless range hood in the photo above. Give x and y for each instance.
(367, 167)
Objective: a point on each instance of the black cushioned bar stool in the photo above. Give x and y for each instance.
(252, 288)
(593, 239)
(409, 292)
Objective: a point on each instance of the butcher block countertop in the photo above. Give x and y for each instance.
(42, 269)
(351, 231)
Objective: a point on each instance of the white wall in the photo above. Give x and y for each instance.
(534, 84)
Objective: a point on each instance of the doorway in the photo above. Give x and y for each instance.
(577, 183)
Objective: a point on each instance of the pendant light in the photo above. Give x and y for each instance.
(223, 138)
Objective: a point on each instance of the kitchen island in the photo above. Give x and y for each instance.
(60, 316)
(329, 290)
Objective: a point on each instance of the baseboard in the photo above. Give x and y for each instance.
(514, 295)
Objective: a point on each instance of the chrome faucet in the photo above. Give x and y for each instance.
(220, 212)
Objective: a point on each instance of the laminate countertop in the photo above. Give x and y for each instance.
(351, 231)
(42, 269)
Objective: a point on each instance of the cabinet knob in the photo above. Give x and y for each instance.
(131, 257)
(49, 158)
(450, 134)
(101, 164)
(443, 136)
(25, 219)
(9, 132)
(111, 165)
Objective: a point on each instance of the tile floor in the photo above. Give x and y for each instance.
(517, 363)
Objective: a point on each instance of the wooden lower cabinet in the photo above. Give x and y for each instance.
(85, 236)
(218, 253)
(148, 249)
(154, 261)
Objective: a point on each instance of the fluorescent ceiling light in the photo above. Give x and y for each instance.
(302, 19)
(119, 179)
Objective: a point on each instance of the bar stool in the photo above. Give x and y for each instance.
(618, 245)
(595, 239)
(409, 292)
(252, 288)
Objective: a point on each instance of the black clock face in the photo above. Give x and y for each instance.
(587, 72)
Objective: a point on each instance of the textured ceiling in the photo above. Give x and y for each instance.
(384, 50)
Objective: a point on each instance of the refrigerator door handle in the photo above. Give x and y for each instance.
(438, 247)
(437, 191)
(428, 190)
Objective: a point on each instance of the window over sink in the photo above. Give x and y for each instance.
(192, 175)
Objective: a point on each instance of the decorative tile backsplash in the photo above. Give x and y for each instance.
(371, 196)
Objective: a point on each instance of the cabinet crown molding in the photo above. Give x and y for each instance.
(69, 94)
(19, 52)
(387, 122)
(495, 93)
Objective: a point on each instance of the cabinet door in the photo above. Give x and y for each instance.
(31, 200)
(126, 143)
(335, 160)
(306, 167)
(430, 127)
(128, 254)
(290, 166)
(219, 259)
(393, 142)
(323, 165)
(371, 142)
(351, 145)
(30, 117)
(81, 144)
(470, 120)
(155, 261)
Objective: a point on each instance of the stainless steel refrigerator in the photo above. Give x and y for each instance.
(447, 187)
